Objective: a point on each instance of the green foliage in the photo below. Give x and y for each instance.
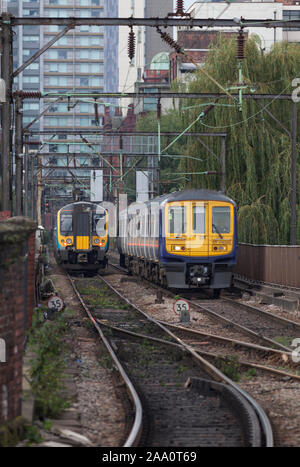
(264, 226)
(100, 297)
(258, 150)
(170, 121)
(229, 365)
(18, 430)
(46, 341)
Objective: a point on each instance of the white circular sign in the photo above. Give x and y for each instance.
(55, 303)
(181, 306)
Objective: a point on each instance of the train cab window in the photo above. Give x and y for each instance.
(99, 223)
(199, 219)
(177, 220)
(66, 224)
(221, 219)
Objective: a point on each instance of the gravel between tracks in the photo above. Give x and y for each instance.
(100, 410)
(102, 413)
(280, 398)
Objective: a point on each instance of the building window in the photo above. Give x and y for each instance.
(288, 15)
(31, 106)
(84, 108)
(31, 79)
(57, 81)
(62, 41)
(84, 28)
(30, 12)
(84, 121)
(53, 54)
(83, 81)
(96, 81)
(62, 54)
(96, 30)
(84, 41)
(58, 67)
(31, 38)
(33, 66)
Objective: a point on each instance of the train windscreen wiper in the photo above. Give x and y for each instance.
(217, 230)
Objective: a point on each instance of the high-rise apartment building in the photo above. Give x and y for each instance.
(83, 61)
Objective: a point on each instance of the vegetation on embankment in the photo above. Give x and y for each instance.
(258, 149)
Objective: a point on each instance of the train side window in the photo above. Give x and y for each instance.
(177, 220)
(66, 224)
(221, 219)
(199, 219)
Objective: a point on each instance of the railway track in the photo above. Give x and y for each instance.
(266, 327)
(238, 353)
(263, 327)
(180, 391)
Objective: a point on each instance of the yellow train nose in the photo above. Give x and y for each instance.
(82, 243)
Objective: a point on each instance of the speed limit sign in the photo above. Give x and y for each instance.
(55, 303)
(181, 306)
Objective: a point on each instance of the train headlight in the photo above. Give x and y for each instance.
(97, 241)
(69, 241)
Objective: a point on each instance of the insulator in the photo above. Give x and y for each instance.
(131, 44)
(240, 46)
(29, 94)
(168, 39)
(180, 7)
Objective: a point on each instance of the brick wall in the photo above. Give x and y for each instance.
(17, 273)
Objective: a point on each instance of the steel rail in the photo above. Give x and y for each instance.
(228, 322)
(226, 340)
(134, 436)
(205, 353)
(239, 327)
(263, 418)
(254, 282)
(267, 314)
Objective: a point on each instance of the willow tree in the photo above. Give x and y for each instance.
(258, 150)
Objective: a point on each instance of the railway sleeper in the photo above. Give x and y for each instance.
(243, 411)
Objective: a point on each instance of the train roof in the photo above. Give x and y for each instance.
(194, 195)
(71, 206)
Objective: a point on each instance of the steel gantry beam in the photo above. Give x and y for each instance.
(156, 95)
(157, 22)
(116, 133)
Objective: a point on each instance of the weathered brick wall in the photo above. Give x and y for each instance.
(17, 260)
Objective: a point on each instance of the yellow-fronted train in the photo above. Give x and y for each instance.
(183, 240)
(81, 237)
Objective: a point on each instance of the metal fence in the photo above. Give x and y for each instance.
(277, 264)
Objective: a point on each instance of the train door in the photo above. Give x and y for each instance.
(198, 241)
(82, 229)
